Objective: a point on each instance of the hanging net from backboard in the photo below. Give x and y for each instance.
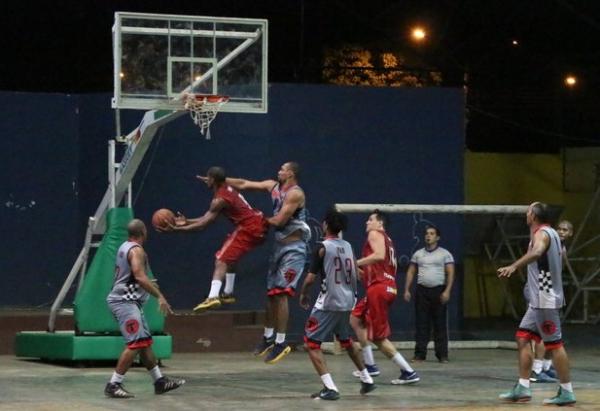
(203, 109)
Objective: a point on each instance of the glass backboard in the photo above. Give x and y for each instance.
(158, 57)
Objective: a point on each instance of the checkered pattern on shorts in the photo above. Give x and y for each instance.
(545, 281)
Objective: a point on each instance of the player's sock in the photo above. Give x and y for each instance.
(547, 364)
(215, 288)
(280, 338)
(116, 378)
(367, 352)
(229, 282)
(328, 382)
(269, 333)
(365, 376)
(524, 382)
(155, 373)
(537, 366)
(399, 360)
(568, 387)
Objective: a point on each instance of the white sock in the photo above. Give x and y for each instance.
(537, 366)
(116, 378)
(567, 387)
(215, 288)
(155, 373)
(328, 382)
(365, 376)
(368, 355)
(547, 365)
(524, 382)
(280, 338)
(229, 282)
(399, 360)
(269, 332)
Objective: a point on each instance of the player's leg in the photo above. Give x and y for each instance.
(318, 327)
(288, 273)
(162, 384)
(342, 332)
(521, 392)
(268, 339)
(358, 319)
(548, 321)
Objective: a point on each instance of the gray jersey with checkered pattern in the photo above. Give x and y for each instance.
(544, 276)
(125, 287)
(338, 284)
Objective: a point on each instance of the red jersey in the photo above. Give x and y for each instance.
(238, 211)
(382, 272)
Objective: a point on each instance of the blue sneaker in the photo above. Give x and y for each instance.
(406, 378)
(264, 346)
(563, 397)
(551, 372)
(519, 393)
(372, 369)
(542, 377)
(277, 353)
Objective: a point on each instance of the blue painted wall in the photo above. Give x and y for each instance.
(354, 144)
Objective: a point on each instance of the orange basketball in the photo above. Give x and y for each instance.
(162, 218)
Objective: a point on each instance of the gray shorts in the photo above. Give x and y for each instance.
(132, 324)
(286, 267)
(541, 324)
(322, 324)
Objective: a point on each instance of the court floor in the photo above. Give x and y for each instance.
(238, 381)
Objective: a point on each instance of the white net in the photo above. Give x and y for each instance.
(203, 109)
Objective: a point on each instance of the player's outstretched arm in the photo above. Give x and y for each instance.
(241, 184)
(198, 224)
(541, 242)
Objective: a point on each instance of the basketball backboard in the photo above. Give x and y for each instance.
(158, 57)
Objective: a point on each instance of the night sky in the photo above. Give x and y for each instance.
(517, 100)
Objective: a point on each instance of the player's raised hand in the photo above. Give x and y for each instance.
(506, 271)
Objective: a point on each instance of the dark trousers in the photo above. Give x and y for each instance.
(430, 312)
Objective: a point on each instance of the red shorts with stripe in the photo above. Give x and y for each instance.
(242, 240)
(374, 308)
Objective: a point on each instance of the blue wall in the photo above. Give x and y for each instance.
(355, 144)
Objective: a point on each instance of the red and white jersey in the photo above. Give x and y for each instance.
(384, 271)
(237, 209)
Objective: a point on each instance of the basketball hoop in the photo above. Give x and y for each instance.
(203, 109)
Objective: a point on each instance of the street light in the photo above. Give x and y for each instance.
(418, 34)
(570, 81)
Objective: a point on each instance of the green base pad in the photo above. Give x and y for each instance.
(65, 345)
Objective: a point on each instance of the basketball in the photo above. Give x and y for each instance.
(162, 218)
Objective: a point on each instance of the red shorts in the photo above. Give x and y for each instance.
(242, 240)
(373, 309)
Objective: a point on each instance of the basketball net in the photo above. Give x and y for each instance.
(203, 109)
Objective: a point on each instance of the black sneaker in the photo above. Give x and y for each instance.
(264, 346)
(165, 384)
(366, 387)
(116, 390)
(326, 394)
(277, 353)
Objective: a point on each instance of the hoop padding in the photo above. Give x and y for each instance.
(433, 208)
(203, 108)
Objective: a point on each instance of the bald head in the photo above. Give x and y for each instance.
(136, 229)
(539, 212)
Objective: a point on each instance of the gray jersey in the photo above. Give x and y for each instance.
(296, 222)
(431, 266)
(338, 285)
(125, 287)
(544, 276)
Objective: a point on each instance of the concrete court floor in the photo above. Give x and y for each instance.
(238, 381)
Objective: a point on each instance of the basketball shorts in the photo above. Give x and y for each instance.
(132, 324)
(242, 240)
(373, 310)
(322, 324)
(286, 267)
(541, 324)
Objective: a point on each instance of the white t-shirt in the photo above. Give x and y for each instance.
(431, 266)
